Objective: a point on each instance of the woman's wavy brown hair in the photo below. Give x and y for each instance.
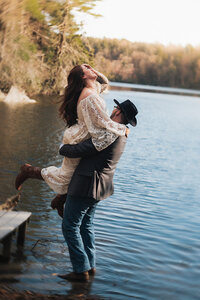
(68, 108)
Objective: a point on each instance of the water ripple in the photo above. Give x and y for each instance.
(147, 233)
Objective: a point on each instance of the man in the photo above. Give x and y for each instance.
(91, 182)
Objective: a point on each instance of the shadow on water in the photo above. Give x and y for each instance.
(25, 132)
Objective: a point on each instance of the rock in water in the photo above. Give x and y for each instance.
(17, 96)
(2, 96)
(10, 202)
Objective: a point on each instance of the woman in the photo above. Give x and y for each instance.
(84, 112)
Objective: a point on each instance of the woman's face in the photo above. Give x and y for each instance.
(88, 73)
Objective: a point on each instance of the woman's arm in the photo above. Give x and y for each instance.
(102, 129)
(96, 117)
(101, 78)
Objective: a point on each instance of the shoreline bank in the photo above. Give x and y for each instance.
(152, 89)
(7, 293)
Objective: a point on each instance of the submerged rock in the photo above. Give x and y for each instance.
(17, 96)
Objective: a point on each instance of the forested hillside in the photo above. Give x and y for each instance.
(152, 64)
(39, 44)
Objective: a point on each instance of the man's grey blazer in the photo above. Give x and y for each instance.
(93, 176)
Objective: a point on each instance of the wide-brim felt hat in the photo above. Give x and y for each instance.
(129, 110)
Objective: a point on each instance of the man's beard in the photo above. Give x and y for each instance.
(113, 114)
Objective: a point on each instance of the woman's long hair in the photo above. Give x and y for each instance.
(68, 108)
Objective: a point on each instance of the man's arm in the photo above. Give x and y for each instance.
(83, 149)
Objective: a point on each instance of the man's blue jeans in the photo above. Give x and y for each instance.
(78, 231)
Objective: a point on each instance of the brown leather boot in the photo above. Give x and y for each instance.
(58, 203)
(82, 277)
(27, 171)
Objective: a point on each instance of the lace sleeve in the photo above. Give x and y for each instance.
(102, 82)
(102, 129)
(101, 87)
(104, 139)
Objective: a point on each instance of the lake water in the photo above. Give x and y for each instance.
(147, 233)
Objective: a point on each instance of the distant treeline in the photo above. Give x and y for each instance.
(39, 44)
(152, 64)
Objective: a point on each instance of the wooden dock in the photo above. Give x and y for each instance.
(11, 222)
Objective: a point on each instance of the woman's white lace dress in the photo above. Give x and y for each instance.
(93, 121)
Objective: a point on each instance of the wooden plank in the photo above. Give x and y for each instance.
(7, 217)
(6, 226)
(11, 221)
(11, 217)
(2, 212)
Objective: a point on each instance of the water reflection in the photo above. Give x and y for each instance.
(147, 233)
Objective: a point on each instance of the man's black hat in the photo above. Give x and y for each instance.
(129, 110)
